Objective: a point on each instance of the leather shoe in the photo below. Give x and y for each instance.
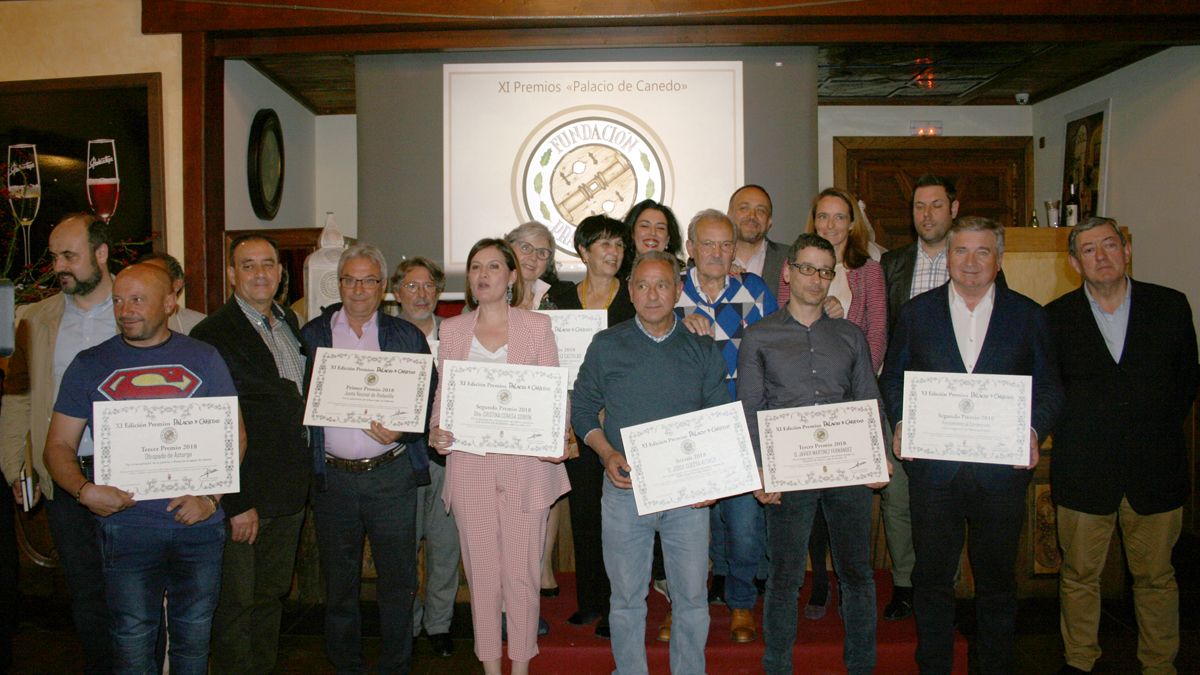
(741, 626)
(549, 592)
(716, 592)
(582, 618)
(602, 629)
(901, 606)
(664, 629)
(441, 644)
(1069, 669)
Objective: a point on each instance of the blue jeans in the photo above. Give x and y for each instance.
(848, 512)
(382, 505)
(76, 535)
(737, 547)
(143, 563)
(628, 549)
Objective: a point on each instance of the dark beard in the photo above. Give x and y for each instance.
(84, 286)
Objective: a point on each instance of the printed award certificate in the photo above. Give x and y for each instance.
(690, 458)
(165, 448)
(573, 332)
(505, 408)
(967, 418)
(351, 387)
(822, 446)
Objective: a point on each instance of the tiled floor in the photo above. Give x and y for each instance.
(46, 644)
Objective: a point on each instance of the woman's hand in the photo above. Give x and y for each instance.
(440, 440)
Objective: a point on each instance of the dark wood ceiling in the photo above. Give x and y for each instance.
(856, 74)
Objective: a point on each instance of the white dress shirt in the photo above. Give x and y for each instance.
(970, 325)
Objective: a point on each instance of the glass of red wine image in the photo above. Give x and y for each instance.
(103, 180)
(24, 184)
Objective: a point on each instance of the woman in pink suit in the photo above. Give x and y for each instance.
(500, 502)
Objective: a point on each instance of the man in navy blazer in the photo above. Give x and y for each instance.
(970, 325)
(1128, 362)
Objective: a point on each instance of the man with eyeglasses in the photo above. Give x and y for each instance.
(367, 479)
(417, 284)
(801, 357)
(259, 341)
(718, 303)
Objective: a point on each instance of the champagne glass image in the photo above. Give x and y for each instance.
(24, 184)
(103, 180)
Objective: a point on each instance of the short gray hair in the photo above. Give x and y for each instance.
(655, 255)
(978, 224)
(1091, 223)
(367, 251)
(525, 231)
(711, 214)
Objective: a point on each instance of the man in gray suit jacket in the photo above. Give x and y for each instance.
(750, 207)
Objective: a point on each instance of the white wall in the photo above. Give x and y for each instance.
(246, 92)
(44, 39)
(1153, 161)
(839, 120)
(337, 171)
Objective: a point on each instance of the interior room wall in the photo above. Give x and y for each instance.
(45, 39)
(337, 171)
(246, 92)
(1153, 160)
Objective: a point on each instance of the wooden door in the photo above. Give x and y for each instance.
(993, 176)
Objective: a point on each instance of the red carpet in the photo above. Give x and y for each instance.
(574, 650)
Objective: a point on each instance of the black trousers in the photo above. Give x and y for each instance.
(586, 474)
(989, 517)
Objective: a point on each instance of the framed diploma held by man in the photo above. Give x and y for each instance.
(573, 332)
(967, 418)
(505, 408)
(352, 387)
(165, 448)
(822, 446)
(690, 458)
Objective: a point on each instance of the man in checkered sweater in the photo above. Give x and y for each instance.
(717, 303)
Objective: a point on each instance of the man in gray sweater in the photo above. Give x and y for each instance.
(640, 371)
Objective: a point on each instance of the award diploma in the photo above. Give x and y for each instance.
(165, 448)
(690, 458)
(967, 418)
(505, 408)
(822, 446)
(573, 332)
(351, 387)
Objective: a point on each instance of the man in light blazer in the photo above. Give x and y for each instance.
(1127, 353)
(970, 325)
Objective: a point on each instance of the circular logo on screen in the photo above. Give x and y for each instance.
(169, 436)
(585, 161)
(966, 406)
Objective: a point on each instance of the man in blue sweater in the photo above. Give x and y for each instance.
(640, 371)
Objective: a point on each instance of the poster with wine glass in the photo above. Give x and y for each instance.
(88, 144)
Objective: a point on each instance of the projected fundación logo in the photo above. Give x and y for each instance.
(587, 161)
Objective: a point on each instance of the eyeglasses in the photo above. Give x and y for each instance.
(370, 283)
(809, 270)
(413, 287)
(527, 248)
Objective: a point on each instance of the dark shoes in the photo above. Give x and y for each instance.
(550, 592)
(441, 644)
(602, 630)
(583, 618)
(1068, 669)
(716, 592)
(901, 606)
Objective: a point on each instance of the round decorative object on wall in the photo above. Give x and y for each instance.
(264, 164)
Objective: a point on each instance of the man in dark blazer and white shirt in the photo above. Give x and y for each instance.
(750, 207)
(1127, 353)
(970, 325)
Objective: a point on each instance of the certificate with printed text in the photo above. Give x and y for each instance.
(352, 387)
(165, 448)
(690, 458)
(573, 332)
(967, 418)
(822, 446)
(504, 408)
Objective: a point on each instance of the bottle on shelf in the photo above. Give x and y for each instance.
(1071, 208)
(1033, 220)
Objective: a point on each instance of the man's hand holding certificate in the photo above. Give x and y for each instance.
(822, 446)
(505, 408)
(351, 388)
(165, 448)
(967, 418)
(690, 458)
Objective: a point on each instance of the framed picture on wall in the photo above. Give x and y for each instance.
(1085, 160)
